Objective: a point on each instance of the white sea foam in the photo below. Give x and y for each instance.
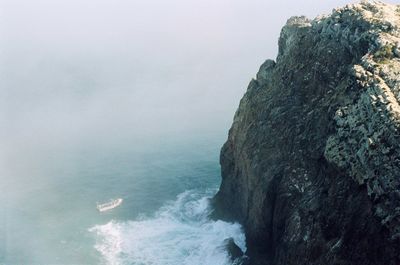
(180, 233)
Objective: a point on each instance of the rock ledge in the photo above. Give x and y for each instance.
(311, 166)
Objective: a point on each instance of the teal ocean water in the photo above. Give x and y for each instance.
(49, 211)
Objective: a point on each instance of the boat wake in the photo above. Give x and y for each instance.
(180, 233)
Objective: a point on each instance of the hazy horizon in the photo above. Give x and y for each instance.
(124, 98)
(75, 69)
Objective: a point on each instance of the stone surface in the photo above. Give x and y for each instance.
(311, 167)
(233, 250)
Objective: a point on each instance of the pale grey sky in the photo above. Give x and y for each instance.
(116, 69)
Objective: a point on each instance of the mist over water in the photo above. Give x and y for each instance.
(49, 220)
(179, 233)
(132, 99)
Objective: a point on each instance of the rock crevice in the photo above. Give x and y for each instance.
(311, 167)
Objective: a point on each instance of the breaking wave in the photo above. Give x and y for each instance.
(179, 233)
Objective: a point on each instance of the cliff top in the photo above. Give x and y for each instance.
(312, 163)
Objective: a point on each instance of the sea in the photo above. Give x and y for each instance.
(49, 196)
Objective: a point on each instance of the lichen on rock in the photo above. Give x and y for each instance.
(311, 166)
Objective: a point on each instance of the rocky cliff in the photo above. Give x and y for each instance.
(311, 167)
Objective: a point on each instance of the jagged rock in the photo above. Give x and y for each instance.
(311, 167)
(233, 250)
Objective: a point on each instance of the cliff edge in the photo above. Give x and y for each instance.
(311, 167)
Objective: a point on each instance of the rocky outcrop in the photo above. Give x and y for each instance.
(311, 167)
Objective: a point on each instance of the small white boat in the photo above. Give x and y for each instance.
(109, 205)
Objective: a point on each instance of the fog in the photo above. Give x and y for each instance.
(84, 77)
(76, 69)
(102, 72)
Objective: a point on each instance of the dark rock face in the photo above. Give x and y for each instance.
(311, 167)
(233, 250)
